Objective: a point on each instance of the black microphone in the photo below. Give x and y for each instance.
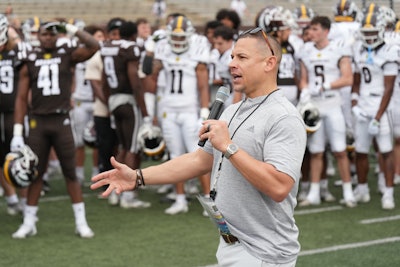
(217, 107)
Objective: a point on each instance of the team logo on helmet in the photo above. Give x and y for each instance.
(372, 27)
(20, 167)
(179, 31)
(346, 11)
(303, 16)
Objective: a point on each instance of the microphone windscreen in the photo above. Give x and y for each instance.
(222, 94)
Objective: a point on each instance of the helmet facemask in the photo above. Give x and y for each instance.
(372, 30)
(179, 31)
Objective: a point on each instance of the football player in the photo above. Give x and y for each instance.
(376, 70)
(345, 29)
(123, 89)
(325, 68)
(279, 22)
(223, 42)
(183, 56)
(11, 55)
(392, 35)
(47, 77)
(82, 111)
(106, 138)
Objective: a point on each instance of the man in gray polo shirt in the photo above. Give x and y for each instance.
(254, 152)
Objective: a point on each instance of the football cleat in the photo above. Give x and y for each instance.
(177, 207)
(24, 231)
(84, 231)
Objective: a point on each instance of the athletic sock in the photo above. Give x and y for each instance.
(30, 217)
(79, 213)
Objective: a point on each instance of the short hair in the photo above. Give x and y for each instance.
(212, 24)
(324, 21)
(128, 29)
(92, 29)
(141, 21)
(225, 32)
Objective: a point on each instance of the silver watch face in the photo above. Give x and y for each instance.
(230, 150)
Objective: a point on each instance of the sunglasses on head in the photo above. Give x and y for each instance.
(257, 30)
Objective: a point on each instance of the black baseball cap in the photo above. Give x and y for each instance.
(114, 23)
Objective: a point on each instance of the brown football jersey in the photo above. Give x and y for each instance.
(10, 62)
(51, 75)
(115, 55)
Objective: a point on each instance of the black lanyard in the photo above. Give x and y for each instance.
(213, 192)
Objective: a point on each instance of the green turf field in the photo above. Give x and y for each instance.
(330, 234)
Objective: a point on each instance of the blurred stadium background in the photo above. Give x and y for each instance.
(199, 11)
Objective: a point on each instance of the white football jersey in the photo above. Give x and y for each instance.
(392, 37)
(223, 68)
(323, 66)
(181, 92)
(373, 66)
(212, 66)
(83, 89)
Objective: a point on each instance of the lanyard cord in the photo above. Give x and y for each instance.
(213, 192)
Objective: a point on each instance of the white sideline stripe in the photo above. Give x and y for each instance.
(343, 247)
(303, 212)
(318, 210)
(378, 220)
(350, 246)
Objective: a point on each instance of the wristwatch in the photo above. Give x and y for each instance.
(230, 150)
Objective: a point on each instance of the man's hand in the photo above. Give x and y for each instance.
(121, 178)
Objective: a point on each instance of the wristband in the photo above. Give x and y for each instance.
(326, 86)
(204, 113)
(18, 128)
(139, 178)
(147, 120)
(355, 96)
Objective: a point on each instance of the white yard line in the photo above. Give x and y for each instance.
(350, 246)
(343, 247)
(382, 219)
(317, 210)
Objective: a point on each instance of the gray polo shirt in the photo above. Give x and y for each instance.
(275, 134)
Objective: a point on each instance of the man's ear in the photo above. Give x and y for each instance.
(270, 63)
